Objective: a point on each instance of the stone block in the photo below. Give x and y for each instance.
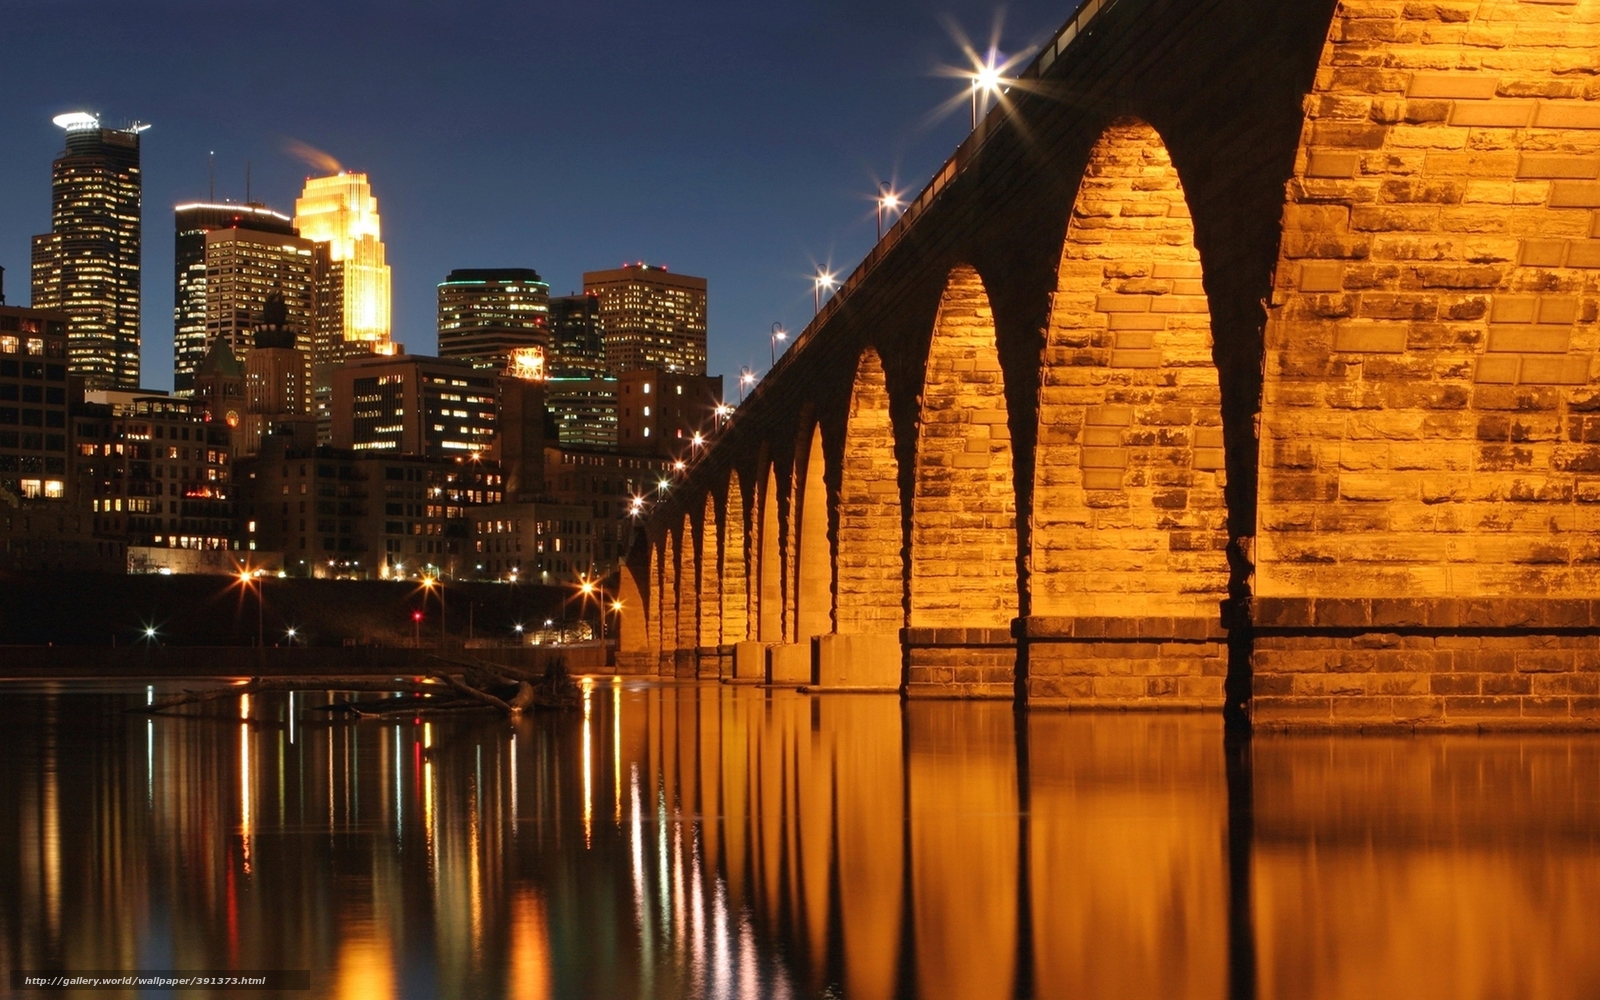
(1322, 276)
(857, 661)
(1568, 114)
(1583, 253)
(789, 663)
(1529, 339)
(749, 661)
(1370, 338)
(1554, 371)
(1575, 194)
(1559, 166)
(1492, 114)
(1464, 86)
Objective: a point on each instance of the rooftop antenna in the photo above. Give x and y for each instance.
(213, 167)
(247, 182)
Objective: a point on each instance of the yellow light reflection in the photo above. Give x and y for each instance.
(365, 969)
(244, 791)
(588, 763)
(616, 747)
(529, 977)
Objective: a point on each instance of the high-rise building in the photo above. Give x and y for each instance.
(227, 260)
(87, 266)
(486, 314)
(577, 342)
(666, 413)
(651, 318)
(351, 284)
(412, 405)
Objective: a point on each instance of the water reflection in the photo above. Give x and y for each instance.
(768, 844)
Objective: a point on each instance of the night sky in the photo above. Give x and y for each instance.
(739, 141)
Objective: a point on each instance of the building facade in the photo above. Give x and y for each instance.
(88, 265)
(413, 405)
(485, 315)
(43, 522)
(158, 473)
(334, 512)
(665, 413)
(221, 282)
(577, 340)
(650, 318)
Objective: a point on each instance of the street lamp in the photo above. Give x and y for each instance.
(778, 333)
(987, 81)
(248, 578)
(824, 281)
(888, 201)
(747, 378)
(428, 585)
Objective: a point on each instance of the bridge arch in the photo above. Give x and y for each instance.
(688, 610)
(813, 589)
(1129, 517)
(632, 629)
(871, 532)
(735, 587)
(963, 516)
(709, 578)
(768, 588)
(669, 601)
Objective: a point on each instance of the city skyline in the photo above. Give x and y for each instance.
(787, 190)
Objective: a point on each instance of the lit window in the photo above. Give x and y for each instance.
(647, 388)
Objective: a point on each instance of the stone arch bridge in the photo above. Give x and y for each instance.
(1242, 358)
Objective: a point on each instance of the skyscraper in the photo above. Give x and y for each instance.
(221, 281)
(485, 314)
(352, 281)
(651, 318)
(87, 266)
(577, 343)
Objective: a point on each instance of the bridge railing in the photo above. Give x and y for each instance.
(952, 168)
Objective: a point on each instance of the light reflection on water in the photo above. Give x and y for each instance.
(768, 844)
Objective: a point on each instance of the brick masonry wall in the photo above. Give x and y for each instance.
(813, 589)
(735, 566)
(688, 579)
(869, 561)
(963, 521)
(1129, 516)
(1429, 424)
(769, 567)
(1430, 377)
(653, 603)
(1124, 662)
(710, 577)
(669, 602)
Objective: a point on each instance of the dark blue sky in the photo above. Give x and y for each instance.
(734, 140)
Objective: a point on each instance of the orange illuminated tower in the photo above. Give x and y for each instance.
(340, 214)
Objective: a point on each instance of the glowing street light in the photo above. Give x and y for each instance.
(747, 378)
(697, 442)
(662, 485)
(888, 201)
(988, 81)
(290, 634)
(247, 579)
(679, 465)
(824, 281)
(778, 334)
(429, 584)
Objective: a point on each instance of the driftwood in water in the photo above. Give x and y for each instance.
(480, 685)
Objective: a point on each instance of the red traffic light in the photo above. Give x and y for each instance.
(416, 616)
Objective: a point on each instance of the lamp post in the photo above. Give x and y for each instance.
(986, 80)
(778, 333)
(823, 281)
(747, 378)
(247, 579)
(888, 201)
(428, 585)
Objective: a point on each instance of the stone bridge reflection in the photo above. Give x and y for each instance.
(712, 840)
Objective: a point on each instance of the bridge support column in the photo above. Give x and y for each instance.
(857, 662)
(1124, 663)
(708, 662)
(960, 662)
(683, 663)
(1444, 663)
(749, 662)
(789, 663)
(635, 662)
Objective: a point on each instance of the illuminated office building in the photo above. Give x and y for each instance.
(351, 282)
(412, 405)
(651, 318)
(227, 260)
(88, 265)
(486, 314)
(577, 341)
